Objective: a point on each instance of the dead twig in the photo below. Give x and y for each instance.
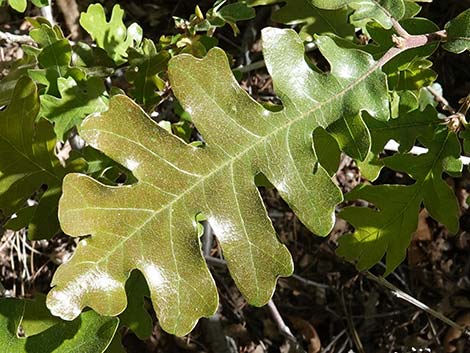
(46, 12)
(15, 38)
(354, 335)
(283, 328)
(440, 99)
(333, 342)
(397, 292)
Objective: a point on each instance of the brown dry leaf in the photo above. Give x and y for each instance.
(340, 227)
(453, 334)
(271, 331)
(463, 241)
(238, 332)
(422, 233)
(71, 14)
(308, 332)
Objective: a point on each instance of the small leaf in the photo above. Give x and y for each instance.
(352, 136)
(146, 65)
(17, 70)
(76, 101)
(381, 11)
(18, 5)
(314, 20)
(405, 130)
(37, 318)
(112, 36)
(414, 75)
(90, 333)
(54, 56)
(235, 12)
(327, 150)
(458, 33)
(40, 3)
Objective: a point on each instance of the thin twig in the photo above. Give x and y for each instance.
(333, 342)
(253, 66)
(15, 38)
(215, 261)
(402, 295)
(355, 336)
(440, 99)
(46, 12)
(283, 328)
(222, 263)
(411, 41)
(207, 239)
(309, 282)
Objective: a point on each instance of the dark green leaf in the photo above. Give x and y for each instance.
(313, 19)
(27, 162)
(136, 317)
(89, 333)
(381, 11)
(146, 65)
(388, 229)
(75, 102)
(458, 33)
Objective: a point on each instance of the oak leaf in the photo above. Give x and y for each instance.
(151, 225)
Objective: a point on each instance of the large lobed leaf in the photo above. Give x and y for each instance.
(151, 225)
(27, 162)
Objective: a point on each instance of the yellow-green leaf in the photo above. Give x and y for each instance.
(151, 225)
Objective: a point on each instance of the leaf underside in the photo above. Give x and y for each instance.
(151, 226)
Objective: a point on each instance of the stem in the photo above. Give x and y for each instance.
(410, 42)
(283, 328)
(46, 12)
(440, 99)
(399, 29)
(413, 301)
(207, 239)
(15, 38)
